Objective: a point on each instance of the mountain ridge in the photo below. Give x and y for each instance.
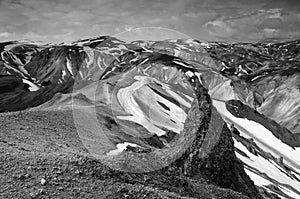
(91, 72)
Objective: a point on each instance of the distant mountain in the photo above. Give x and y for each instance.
(147, 89)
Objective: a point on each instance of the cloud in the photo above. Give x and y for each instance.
(219, 27)
(255, 25)
(151, 33)
(69, 20)
(6, 34)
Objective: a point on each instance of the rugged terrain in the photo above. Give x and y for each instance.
(146, 119)
(43, 158)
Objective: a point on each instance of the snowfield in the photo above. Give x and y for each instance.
(261, 170)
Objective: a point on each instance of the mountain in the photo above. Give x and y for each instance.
(202, 111)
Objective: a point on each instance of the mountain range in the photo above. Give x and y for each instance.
(221, 120)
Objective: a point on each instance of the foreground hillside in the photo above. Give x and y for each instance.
(41, 156)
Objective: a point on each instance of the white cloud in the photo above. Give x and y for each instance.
(5, 34)
(69, 20)
(270, 30)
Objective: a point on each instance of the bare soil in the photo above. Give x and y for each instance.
(41, 156)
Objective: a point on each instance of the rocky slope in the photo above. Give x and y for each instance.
(145, 106)
(42, 156)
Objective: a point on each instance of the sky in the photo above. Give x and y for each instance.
(59, 21)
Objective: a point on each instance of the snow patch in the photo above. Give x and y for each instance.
(32, 87)
(121, 147)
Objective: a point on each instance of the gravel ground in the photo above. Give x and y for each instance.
(41, 156)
